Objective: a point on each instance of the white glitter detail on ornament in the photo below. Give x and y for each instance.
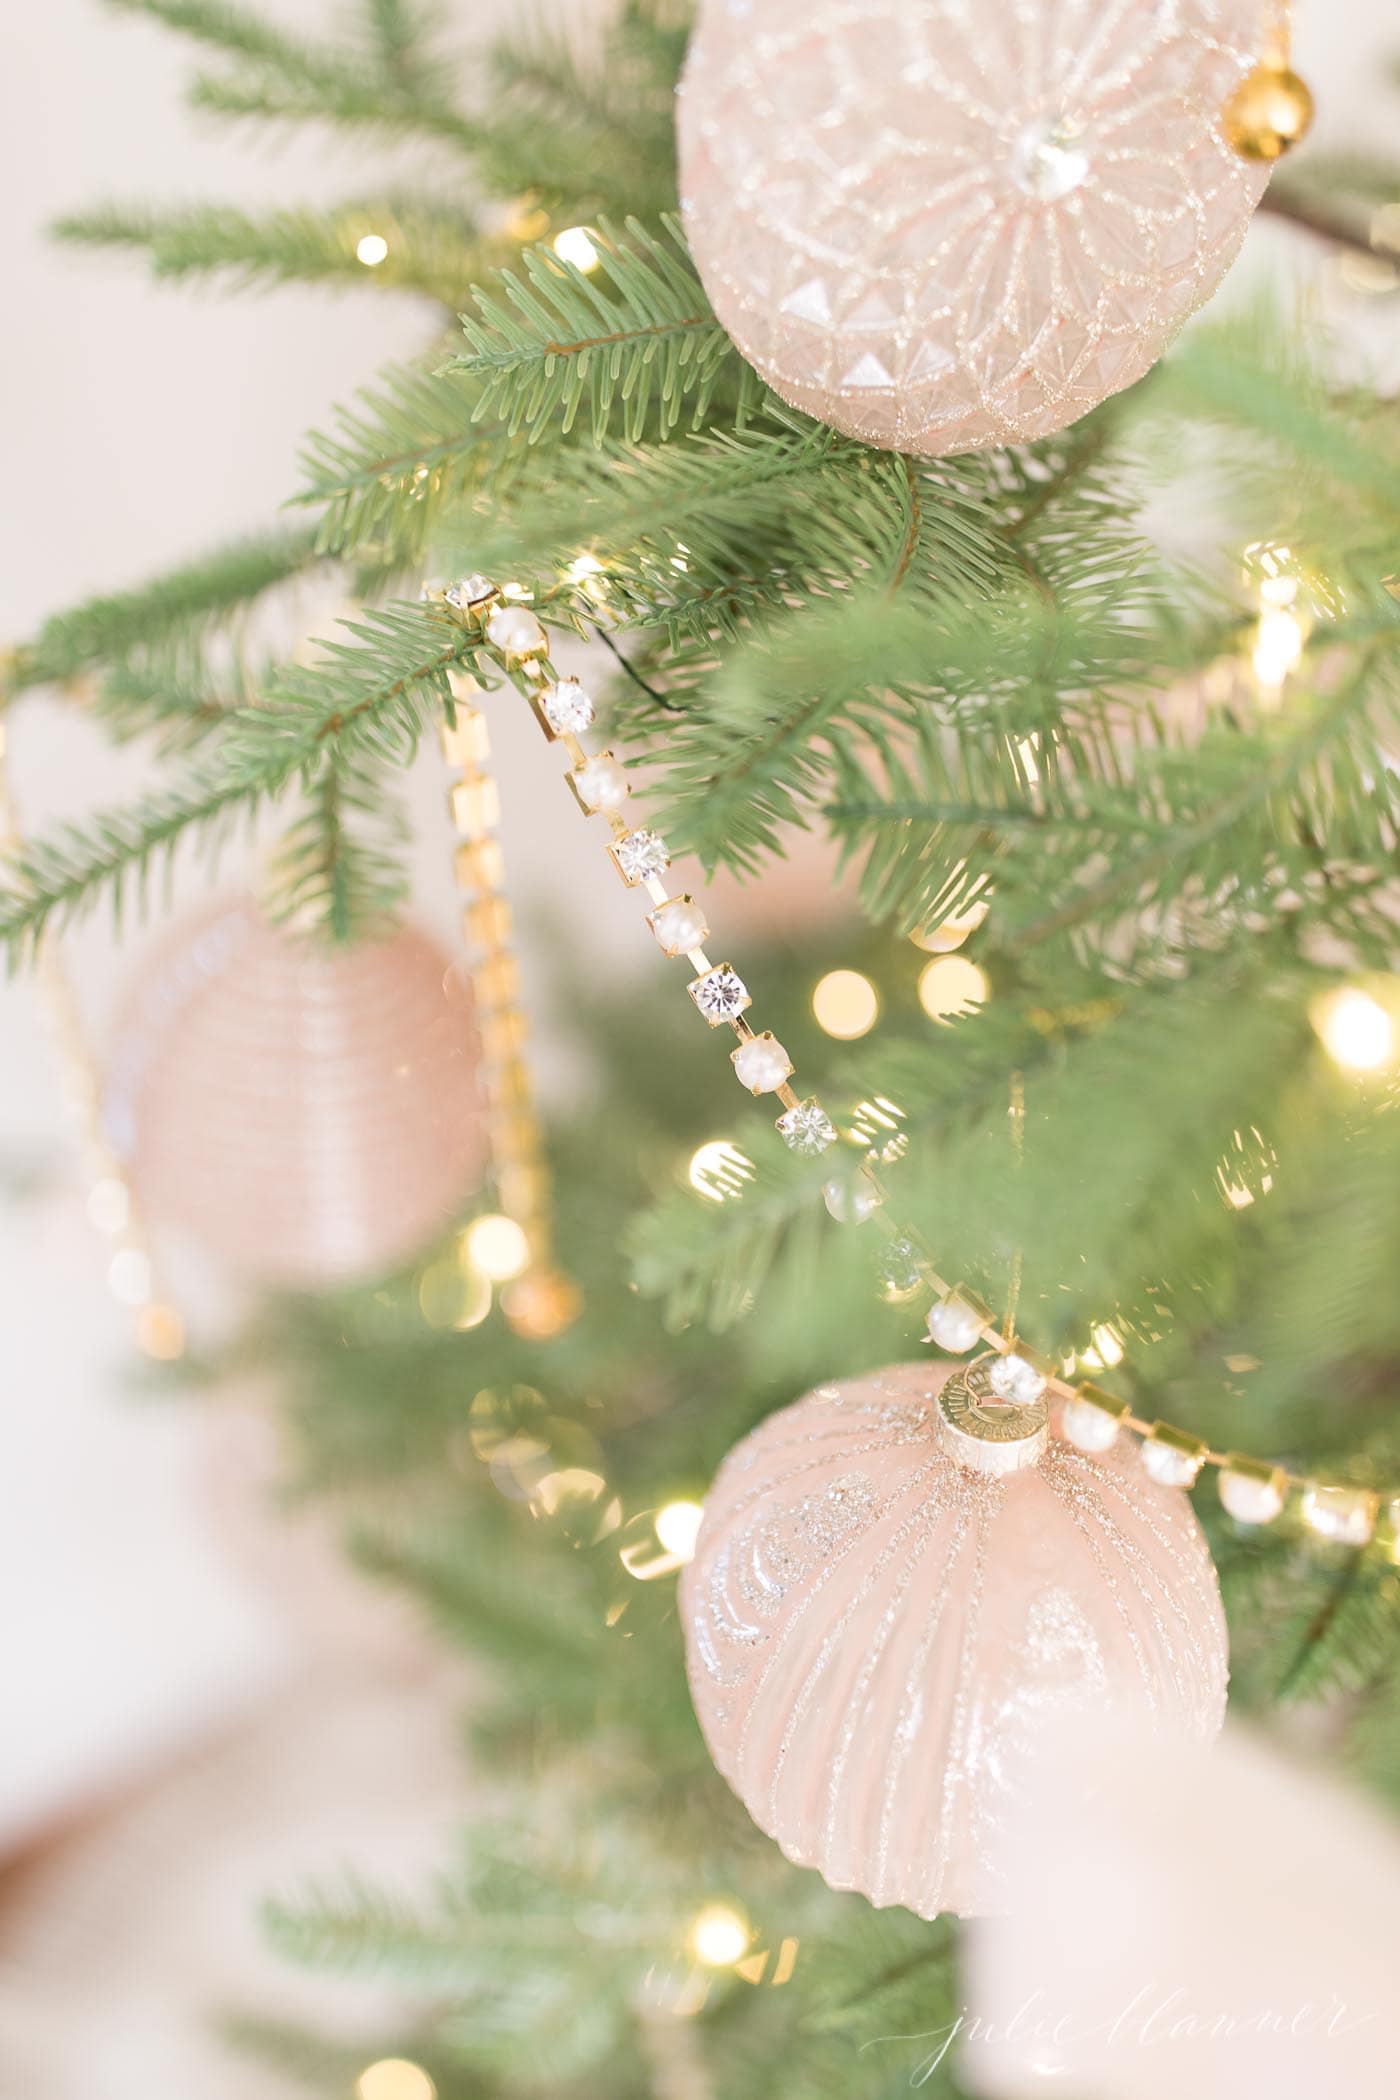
(873, 1667)
(943, 227)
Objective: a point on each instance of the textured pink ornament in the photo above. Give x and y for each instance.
(309, 1114)
(946, 224)
(876, 1634)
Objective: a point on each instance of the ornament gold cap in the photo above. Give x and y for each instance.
(984, 1432)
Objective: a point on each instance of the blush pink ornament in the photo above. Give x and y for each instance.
(947, 224)
(877, 1633)
(308, 1114)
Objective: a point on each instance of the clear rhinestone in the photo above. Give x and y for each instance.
(566, 706)
(1347, 1515)
(899, 1270)
(640, 855)
(807, 1128)
(469, 591)
(514, 630)
(721, 994)
(1012, 1378)
(1047, 159)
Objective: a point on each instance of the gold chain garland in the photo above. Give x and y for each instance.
(1253, 1490)
(111, 1203)
(541, 1301)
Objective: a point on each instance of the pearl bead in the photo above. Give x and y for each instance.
(514, 630)
(762, 1064)
(954, 1326)
(851, 1203)
(601, 783)
(1249, 1499)
(679, 925)
(1087, 1427)
(1012, 1378)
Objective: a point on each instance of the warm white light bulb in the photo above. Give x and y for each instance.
(1356, 1031)
(497, 1247)
(394, 2078)
(371, 249)
(846, 1004)
(718, 1936)
(951, 985)
(718, 1169)
(678, 1526)
(574, 246)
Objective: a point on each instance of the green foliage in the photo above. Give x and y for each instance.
(433, 248)
(550, 336)
(178, 609)
(982, 681)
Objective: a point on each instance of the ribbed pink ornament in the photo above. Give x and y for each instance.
(309, 1114)
(947, 224)
(875, 1635)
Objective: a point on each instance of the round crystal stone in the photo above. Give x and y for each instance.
(1048, 160)
(1012, 1378)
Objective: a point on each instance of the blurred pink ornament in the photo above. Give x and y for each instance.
(948, 224)
(877, 1634)
(1182, 1920)
(309, 1114)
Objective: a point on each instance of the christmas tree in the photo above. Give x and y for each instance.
(1121, 818)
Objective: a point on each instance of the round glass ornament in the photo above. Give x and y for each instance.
(877, 1630)
(946, 224)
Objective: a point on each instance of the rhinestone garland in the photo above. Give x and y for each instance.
(543, 1301)
(111, 1201)
(1254, 1491)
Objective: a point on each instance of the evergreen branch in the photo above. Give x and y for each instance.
(386, 472)
(550, 337)
(281, 76)
(368, 697)
(338, 866)
(432, 248)
(176, 608)
(54, 879)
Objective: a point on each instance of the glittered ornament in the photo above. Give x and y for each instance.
(308, 1114)
(898, 1581)
(947, 224)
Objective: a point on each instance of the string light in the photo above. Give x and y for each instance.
(677, 1526)
(1355, 1030)
(574, 246)
(718, 1936)
(371, 250)
(497, 1246)
(718, 1169)
(950, 985)
(394, 2078)
(846, 1004)
(1104, 1350)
